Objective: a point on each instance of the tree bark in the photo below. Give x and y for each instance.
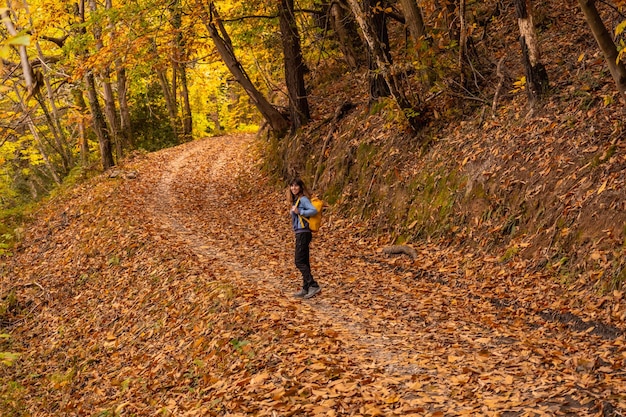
(99, 123)
(170, 104)
(378, 84)
(274, 118)
(110, 110)
(79, 102)
(294, 66)
(536, 75)
(180, 71)
(414, 20)
(346, 34)
(97, 118)
(122, 98)
(383, 64)
(606, 44)
(187, 116)
(26, 68)
(462, 43)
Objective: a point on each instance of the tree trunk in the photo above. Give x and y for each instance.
(377, 49)
(97, 118)
(99, 123)
(606, 44)
(378, 84)
(187, 116)
(26, 69)
(55, 118)
(179, 72)
(122, 98)
(169, 100)
(37, 137)
(414, 20)
(536, 75)
(110, 110)
(346, 34)
(294, 66)
(79, 102)
(58, 146)
(275, 119)
(462, 43)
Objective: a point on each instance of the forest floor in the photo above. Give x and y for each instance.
(166, 290)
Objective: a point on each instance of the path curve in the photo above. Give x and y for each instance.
(476, 355)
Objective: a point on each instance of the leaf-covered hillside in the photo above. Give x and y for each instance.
(162, 291)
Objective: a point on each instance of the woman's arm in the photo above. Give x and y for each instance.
(305, 208)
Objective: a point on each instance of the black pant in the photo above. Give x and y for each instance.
(302, 259)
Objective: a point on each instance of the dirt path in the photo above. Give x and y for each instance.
(436, 337)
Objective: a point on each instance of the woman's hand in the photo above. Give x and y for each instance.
(295, 210)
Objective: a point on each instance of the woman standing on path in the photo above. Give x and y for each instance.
(301, 210)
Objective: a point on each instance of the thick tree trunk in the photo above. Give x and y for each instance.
(606, 44)
(110, 110)
(378, 84)
(536, 75)
(294, 66)
(187, 117)
(122, 98)
(97, 118)
(377, 49)
(169, 101)
(99, 123)
(179, 72)
(111, 113)
(123, 126)
(346, 34)
(414, 20)
(274, 118)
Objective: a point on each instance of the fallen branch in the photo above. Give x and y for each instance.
(399, 250)
(500, 74)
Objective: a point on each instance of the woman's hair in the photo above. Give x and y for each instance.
(305, 191)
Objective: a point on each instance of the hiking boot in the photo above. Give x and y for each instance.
(312, 292)
(301, 293)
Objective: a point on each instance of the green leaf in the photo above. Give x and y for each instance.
(21, 40)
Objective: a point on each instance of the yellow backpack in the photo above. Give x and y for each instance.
(314, 221)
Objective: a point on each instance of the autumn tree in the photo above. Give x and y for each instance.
(344, 28)
(606, 44)
(179, 67)
(536, 74)
(276, 120)
(294, 65)
(98, 118)
(380, 55)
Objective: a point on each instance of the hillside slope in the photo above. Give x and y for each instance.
(545, 185)
(167, 291)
